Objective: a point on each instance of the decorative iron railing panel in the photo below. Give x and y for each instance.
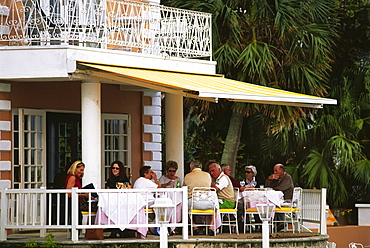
(106, 24)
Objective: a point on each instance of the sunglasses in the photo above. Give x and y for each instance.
(115, 168)
(248, 172)
(171, 170)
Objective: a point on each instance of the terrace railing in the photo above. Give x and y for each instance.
(42, 209)
(314, 208)
(50, 209)
(107, 24)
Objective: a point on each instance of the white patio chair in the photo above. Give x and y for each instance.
(292, 213)
(199, 195)
(355, 245)
(229, 216)
(251, 198)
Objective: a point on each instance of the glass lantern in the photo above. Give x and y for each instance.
(163, 208)
(266, 211)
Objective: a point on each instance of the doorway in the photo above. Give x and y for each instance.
(63, 146)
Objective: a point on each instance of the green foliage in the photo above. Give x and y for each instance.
(49, 243)
(31, 243)
(317, 47)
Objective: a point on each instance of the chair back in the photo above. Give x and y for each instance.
(355, 245)
(203, 194)
(253, 197)
(236, 197)
(297, 198)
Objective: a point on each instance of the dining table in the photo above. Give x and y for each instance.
(122, 208)
(255, 196)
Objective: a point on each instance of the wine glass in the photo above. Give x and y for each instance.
(118, 185)
(242, 183)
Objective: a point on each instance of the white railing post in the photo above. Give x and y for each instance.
(323, 227)
(43, 212)
(4, 217)
(185, 231)
(74, 213)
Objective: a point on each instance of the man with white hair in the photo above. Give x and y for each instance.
(223, 186)
(227, 170)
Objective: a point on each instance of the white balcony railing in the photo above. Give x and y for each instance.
(42, 209)
(107, 24)
(52, 209)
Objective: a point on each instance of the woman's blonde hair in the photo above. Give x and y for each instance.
(74, 166)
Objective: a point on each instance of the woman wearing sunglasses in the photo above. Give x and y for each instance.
(117, 174)
(170, 180)
(250, 181)
(117, 179)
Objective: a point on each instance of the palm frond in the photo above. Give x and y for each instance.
(319, 173)
(361, 171)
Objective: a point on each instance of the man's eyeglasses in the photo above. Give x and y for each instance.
(171, 170)
(248, 172)
(115, 168)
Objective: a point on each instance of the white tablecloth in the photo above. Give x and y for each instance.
(254, 197)
(122, 208)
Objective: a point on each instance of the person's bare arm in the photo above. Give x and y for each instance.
(154, 176)
(71, 182)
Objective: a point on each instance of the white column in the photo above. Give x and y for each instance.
(91, 132)
(175, 131)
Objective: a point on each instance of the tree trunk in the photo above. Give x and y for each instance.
(232, 141)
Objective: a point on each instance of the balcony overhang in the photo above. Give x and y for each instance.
(201, 86)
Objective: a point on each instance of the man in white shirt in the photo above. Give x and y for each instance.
(147, 180)
(223, 186)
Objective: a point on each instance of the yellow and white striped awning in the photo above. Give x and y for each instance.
(204, 86)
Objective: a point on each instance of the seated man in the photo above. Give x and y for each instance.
(223, 186)
(147, 180)
(197, 178)
(281, 181)
(227, 170)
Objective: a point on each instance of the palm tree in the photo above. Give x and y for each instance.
(282, 44)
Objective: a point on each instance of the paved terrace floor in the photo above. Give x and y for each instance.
(221, 240)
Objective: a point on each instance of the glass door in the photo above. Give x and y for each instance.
(64, 145)
(29, 156)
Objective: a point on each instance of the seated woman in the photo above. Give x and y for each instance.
(73, 179)
(250, 181)
(117, 174)
(170, 180)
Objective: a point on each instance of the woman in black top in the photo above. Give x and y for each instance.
(117, 174)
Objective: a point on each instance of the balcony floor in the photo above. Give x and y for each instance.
(62, 238)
